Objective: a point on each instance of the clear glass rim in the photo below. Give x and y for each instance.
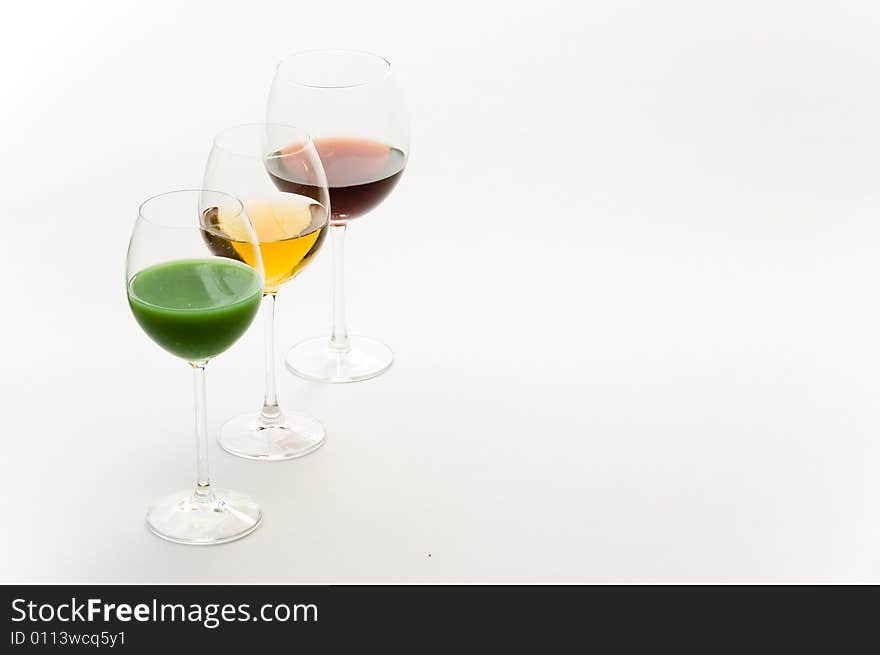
(363, 53)
(304, 142)
(236, 205)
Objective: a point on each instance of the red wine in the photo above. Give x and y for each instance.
(360, 173)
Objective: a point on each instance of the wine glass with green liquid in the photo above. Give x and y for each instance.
(195, 300)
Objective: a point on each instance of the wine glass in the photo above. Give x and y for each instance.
(277, 173)
(195, 300)
(350, 103)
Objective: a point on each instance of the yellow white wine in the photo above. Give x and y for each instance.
(290, 228)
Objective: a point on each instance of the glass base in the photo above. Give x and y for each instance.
(314, 360)
(296, 436)
(219, 518)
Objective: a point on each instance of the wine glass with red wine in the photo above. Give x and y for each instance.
(350, 103)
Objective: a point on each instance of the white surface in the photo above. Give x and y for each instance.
(630, 277)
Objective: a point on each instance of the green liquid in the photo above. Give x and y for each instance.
(195, 308)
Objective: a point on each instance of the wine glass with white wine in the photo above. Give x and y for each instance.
(253, 161)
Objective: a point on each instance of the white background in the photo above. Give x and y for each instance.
(630, 278)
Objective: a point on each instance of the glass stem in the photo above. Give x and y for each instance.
(203, 481)
(339, 332)
(271, 413)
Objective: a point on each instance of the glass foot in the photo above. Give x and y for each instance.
(220, 517)
(315, 360)
(245, 436)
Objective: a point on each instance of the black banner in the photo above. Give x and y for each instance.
(416, 618)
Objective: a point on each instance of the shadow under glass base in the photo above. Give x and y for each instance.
(296, 435)
(315, 360)
(218, 518)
